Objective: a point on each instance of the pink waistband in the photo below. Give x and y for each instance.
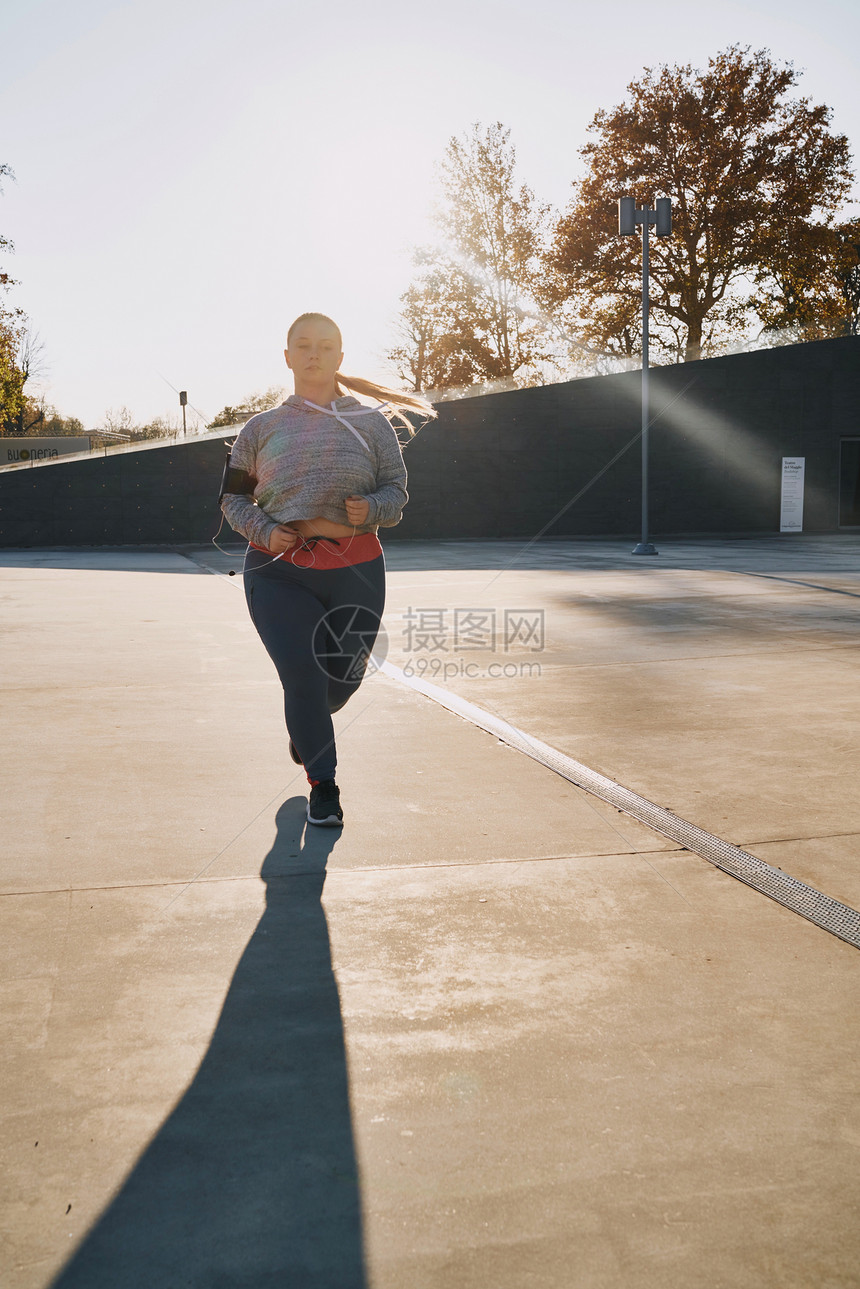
(330, 552)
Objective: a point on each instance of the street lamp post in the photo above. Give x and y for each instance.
(183, 401)
(628, 218)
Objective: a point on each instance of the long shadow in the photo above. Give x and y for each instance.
(252, 1182)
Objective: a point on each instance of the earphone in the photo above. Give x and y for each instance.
(302, 545)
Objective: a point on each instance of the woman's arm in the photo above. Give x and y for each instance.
(243, 514)
(386, 502)
(239, 509)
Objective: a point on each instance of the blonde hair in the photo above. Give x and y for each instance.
(399, 401)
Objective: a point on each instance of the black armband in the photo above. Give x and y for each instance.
(235, 480)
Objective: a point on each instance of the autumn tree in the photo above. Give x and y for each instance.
(811, 289)
(751, 172)
(470, 315)
(845, 265)
(28, 365)
(42, 420)
(12, 327)
(440, 325)
(12, 401)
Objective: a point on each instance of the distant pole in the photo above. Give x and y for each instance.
(183, 399)
(645, 547)
(628, 218)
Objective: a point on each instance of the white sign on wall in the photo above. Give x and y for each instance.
(791, 509)
(14, 451)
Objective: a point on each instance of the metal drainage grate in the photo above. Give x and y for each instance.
(829, 914)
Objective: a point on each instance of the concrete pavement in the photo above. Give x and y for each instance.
(494, 1033)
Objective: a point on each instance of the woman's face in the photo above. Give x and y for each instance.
(313, 353)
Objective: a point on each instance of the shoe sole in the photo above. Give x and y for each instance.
(331, 821)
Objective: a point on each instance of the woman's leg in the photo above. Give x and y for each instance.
(357, 598)
(287, 617)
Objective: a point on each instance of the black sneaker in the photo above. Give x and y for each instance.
(324, 805)
(294, 754)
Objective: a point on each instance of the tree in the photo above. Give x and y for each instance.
(160, 427)
(751, 174)
(439, 324)
(41, 419)
(27, 364)
(12, 326)
(11, 383)
(253, 403)
(846, 272)
(811, 289)
(120, 426)
(470, 315)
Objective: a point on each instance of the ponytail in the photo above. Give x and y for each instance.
(399, 402)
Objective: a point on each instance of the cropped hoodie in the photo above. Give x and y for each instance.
(306, 460)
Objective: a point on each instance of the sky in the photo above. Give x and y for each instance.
(190, 176)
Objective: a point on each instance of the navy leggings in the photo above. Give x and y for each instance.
(319, 627)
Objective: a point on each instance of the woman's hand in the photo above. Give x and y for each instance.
(282, 539)
(357, 509)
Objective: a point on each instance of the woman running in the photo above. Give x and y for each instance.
(309, 484)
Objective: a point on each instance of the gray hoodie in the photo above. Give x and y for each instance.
(307, 461)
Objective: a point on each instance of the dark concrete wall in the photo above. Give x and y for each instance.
(514, 464)
(157, 495)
